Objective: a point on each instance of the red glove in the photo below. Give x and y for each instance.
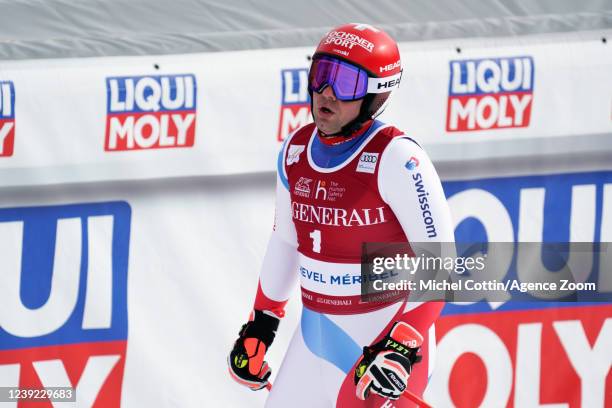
(385, 366)
(246, 360)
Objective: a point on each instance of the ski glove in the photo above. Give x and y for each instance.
(385, 366)
(246, 360)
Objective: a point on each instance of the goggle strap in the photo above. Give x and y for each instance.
(386, 84)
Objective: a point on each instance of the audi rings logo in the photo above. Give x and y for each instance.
(367, 163)
(369, 158)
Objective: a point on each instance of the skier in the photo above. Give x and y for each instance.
(344, 180)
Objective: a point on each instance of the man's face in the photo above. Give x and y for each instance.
(330, 114)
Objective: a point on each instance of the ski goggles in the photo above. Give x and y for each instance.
(348, 82)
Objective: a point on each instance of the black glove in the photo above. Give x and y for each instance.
(385, 366)
(246, 360)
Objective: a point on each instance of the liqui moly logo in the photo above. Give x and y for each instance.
(295, 105)
(524, 358)
(530, 354)
(63, 299)
(527, 209)
(490, 93)
(7, 118)
(150, 112)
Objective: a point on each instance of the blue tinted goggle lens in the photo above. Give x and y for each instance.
(348, 81)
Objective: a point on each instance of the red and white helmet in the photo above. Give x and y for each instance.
(366, 48)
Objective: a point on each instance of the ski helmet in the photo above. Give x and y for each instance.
(357, 61)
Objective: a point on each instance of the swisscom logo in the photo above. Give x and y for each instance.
(7, 118)
(63, 299)
(295, 104)
(490, 93)
(412, 163)
(150, 112)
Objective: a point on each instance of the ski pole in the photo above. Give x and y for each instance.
(405, 394)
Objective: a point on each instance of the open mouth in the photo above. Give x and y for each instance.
(326, 110)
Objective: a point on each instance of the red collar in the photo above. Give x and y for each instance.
(334, 140)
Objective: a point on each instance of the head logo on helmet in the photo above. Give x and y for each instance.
(377, 68)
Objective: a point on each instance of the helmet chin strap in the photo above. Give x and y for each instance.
(372, 106)
(354, 125)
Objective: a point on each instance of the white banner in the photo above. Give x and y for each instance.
(224, 113)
